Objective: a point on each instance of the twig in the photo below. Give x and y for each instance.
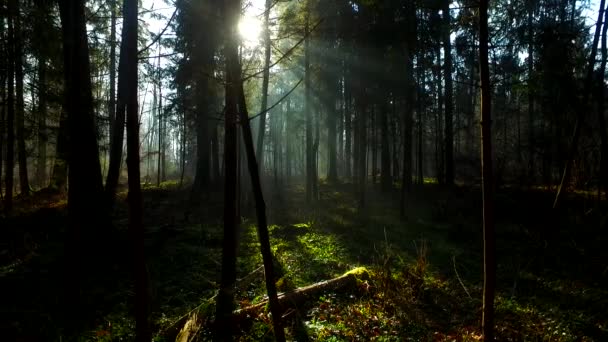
(458, 277)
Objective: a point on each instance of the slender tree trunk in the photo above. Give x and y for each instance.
(601, 112)
(3, 76)
(112, 100)
(10, 119)
(361, 143)
(307, 110)
(332, 171)
(225, 297)
(385, 161)
(530, 96)
(489, 265)
(24, 183)
(59, 175)
(260, 205)
(347, 131)
(409, 107)
(581, 111)
(265, 81)
(449, 131)
(42, 134)
(118, 130)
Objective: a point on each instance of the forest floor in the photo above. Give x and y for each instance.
(426, 269)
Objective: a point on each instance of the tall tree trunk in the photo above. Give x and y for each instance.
(263, 236)
(265, 81)
(215, 154)
(3, 76)
(136, 227)
(347, 130)
(307, 110)
(449, 131)
(361, 145)
(409, 106)
(225, 297)
(112, 99)
(582, 110)
(85, 208)
(59, 175)
(118, 130)
(10, 119)
(489, 264)
(24, 183)
(42, 134)
(332, 171)
(601, 112)
(530, 63)
(385, 161)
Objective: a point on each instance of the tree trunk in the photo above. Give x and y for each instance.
(601, 113)
(307, 110)
(112, 100)
(59, 175)
(225, 297)
(489, 264)
(136, 227)
(10, 119)
(332, 171)
(24, 183)
(449, 131)
(260, 207)
(531, 171)
(3, 75)
(581, 112)
(42, 134)
(409, 107)
(385, 161)
(265, 81)
(118, 130)
(85, 207)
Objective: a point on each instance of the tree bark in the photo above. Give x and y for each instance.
(112, 99)
(489, 265)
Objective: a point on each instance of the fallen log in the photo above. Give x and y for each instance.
(287, 300)
(293, 299)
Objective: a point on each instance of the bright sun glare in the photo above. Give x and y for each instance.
(250, 29)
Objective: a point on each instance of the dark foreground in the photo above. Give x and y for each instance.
(425, 269)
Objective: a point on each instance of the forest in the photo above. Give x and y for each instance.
(303, 170)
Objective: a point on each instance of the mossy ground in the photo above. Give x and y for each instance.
(426, 269)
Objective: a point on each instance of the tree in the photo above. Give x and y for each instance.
(10, 115)
(85, 213)
(136, 227)
(489, 249)
(225, 297)
(449, 130)
(19, 104)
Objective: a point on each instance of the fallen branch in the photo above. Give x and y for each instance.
(297, 297)
(287, 300)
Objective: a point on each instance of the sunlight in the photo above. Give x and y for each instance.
(250, 29)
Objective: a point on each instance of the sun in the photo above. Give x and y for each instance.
(250, 29)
